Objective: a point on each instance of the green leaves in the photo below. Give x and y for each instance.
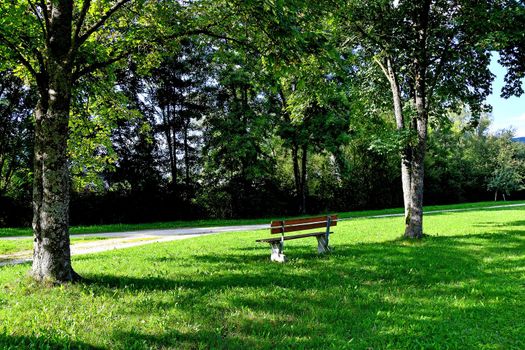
(16, 133)
(95, 114)
(389, 141)
(508, 175)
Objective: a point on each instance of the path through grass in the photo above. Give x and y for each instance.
(24, 231)
(461, 288)
(13, 246)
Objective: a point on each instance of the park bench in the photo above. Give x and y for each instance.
(284, 226)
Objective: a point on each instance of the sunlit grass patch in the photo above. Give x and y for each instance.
(461, 287)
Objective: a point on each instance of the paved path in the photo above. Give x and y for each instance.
(191, 232)
(121, 240)
(448, 210)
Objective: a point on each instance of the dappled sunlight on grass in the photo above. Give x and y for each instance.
(461, 287)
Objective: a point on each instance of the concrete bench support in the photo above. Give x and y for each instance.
(277, 252)
(322, 244)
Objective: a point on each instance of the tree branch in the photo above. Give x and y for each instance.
(207, 30)
(39, 18)
(41, 62)
(101, 21)
(19, 55)
(81, 19)
(383, 68)
(213, 35)
(98, 65)
(45, 11)
(438, 71)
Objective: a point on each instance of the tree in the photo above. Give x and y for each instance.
(98, 110)
(508, 174)
(237, 130)
(506, 35)
(178, 94)
(58, 43)
(429, 53)
(315, 111)
(133, 138)
(16, 106)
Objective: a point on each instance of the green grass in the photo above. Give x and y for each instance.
(463, 287)
(23, 231)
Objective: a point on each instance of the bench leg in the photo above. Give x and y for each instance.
(322, 245)
(277, 253)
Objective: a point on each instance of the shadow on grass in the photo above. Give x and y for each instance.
(205, 339)
(456, 292)
(501, 224)
(47, 341)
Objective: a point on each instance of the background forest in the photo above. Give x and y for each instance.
(216, 124)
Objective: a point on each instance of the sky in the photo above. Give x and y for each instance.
(505, 112)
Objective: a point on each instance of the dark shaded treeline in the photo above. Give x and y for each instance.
(201, 148)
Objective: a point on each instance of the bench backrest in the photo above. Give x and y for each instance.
(282, 226)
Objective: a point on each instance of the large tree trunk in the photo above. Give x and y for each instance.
(400, 124)
(414, 219)
(412, 157)
(51, 257)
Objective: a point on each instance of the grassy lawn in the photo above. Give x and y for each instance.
(463, 287)
(24, 231)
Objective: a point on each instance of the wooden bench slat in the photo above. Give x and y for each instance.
(286, 238)
(301, 224)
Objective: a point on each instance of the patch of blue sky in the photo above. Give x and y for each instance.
(506, 113)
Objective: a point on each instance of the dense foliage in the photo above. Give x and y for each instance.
(240, 161)
(249, 109)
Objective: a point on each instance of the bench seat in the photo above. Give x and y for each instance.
(304, 224)
(286, 238)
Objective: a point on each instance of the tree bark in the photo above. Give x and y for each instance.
(299, 171)
(4, 181)
(304, 186)
(414, 219)
(51, 256)
(400, 124)
(296, 171)
(170, 139)
(186, 151)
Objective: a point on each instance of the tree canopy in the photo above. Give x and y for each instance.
(173, 110)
